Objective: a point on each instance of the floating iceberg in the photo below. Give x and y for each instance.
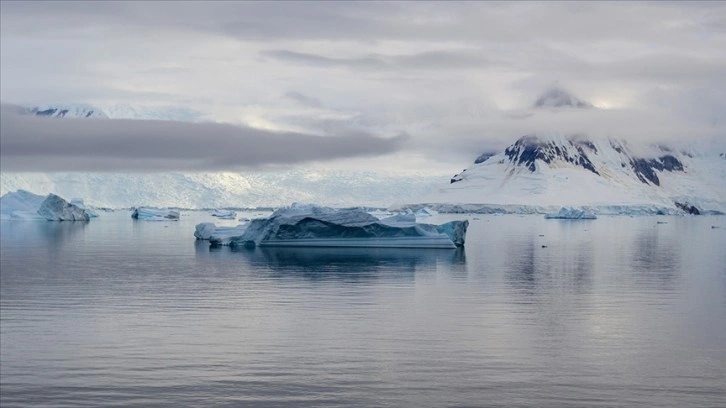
(55, 208)
(24, 205)
(21, 205)
(221, 235)
(572, 213)
(78, 202)
(153, 214)
(224, 214)
(314, 226)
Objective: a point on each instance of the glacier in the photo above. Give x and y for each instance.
(307, 225)
(571, 213)
(154, 214)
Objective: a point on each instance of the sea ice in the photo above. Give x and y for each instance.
(572, 213)
(310, 226)
(154, 214)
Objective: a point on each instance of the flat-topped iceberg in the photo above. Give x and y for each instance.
(154, 214)
(314, 226)
(55, 208)
(572, 213)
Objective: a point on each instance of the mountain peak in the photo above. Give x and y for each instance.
(557, 97)
(68, 111)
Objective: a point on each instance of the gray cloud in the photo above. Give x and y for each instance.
(40, 144)
(304, 100)
(453, 75)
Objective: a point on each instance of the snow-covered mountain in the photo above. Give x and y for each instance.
(68, 111)
(114, 111)
(539, 173)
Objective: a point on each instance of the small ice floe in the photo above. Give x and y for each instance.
(224, 214)
(154, 214)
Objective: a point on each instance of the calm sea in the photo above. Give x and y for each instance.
(615, 312)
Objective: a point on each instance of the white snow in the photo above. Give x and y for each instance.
(154, 214)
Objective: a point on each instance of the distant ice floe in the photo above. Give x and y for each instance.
(224, 214)
(306, 225)
(154, 214)
(572, 213)
(24, 205)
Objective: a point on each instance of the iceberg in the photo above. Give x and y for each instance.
(305, 225)
(20, 204)
(78, 202)
(153, 214)
(224, 214)
(222, 235)
(572, 213)
(55, 208)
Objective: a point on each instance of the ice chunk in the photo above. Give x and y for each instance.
(78, 202)
(20, 204)
(309, 225)
(426, 212)
(154, 214)
(224, 214)
(218, 235)
(55, 208)
(572, 213)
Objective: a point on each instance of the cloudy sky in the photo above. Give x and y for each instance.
(400, 86)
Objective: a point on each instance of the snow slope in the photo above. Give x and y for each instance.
(540, 173)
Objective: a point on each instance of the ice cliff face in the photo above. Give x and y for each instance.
(55, 208)
(539, 173)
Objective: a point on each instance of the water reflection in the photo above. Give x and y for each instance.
(348, 263)
(39, 233)
(655, 258)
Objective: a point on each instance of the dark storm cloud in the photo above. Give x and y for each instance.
(31, 143)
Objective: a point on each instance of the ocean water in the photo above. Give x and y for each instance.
(614, 312)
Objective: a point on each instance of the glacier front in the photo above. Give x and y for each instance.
(315, 226)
